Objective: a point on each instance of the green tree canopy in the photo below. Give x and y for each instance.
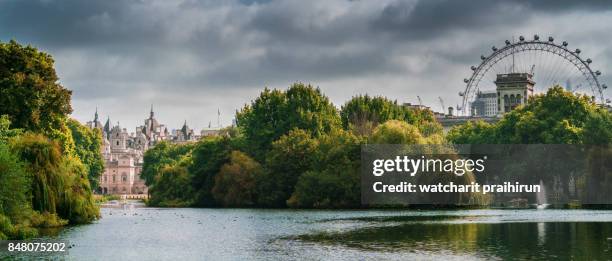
(14, 185)
(235, 182)
(172, 188)
(88, 144)
(163, 154)
(59, 182)
(556, 117)
(363, 113)
(29, 90)
(208, 155)
(274, 113)
(473, 132)
(397, 132)
(289, 157)
(334, 178)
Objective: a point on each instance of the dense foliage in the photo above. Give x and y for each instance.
(556, 117)
(293, 148)
(88, 144)
(235, 183)
(332, 181)
(30, 93)
(172, 188)
(47, 161)
(290, 148)
(274, 113)
(162, 155)
(362, 114)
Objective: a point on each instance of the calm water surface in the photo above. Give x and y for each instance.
(132, 232)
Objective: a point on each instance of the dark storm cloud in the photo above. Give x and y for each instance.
(142, 50)
(435, 18)
(74, 23)
(567, 5)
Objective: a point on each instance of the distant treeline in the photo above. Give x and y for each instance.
(48, 162)
(293, 148)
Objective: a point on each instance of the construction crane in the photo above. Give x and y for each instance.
(442, 104)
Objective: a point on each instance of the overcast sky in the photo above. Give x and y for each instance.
(190, 58)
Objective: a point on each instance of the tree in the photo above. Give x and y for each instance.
(58, 183)
(163, 155)
(308, 109)
(88, 144)
(334, 180)
(13, 183)
(208, 155)
(397, 132)
(598, 128)
(264, 120)
(17, 219)
(472, 132)
(58, 190)
(289, 157)
(556, 117)
(274, 113)
(235, 183)
(363, 113)
(172, 188)
(29, 90)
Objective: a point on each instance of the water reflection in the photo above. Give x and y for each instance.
(134, 232)
(488, 240)
(541, 233)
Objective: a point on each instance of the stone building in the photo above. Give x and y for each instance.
(123, 156)
(123, 152)
(485, 104)
(95, 124)
(513, 89)
(184, 134)
(153, 131)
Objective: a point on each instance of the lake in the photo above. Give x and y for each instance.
(134, 232)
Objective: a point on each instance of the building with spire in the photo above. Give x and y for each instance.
(185, 134)
(123, 152)
(95, 124)
(153, 130)
(123, 156)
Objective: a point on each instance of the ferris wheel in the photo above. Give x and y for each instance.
(548, 62)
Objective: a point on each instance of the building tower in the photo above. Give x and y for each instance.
(118, 138)
(513, 89)
(95, 124)
(108, 126)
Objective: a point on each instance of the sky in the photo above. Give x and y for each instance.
(190, 59)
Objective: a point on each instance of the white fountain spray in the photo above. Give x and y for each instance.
(541, 202)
